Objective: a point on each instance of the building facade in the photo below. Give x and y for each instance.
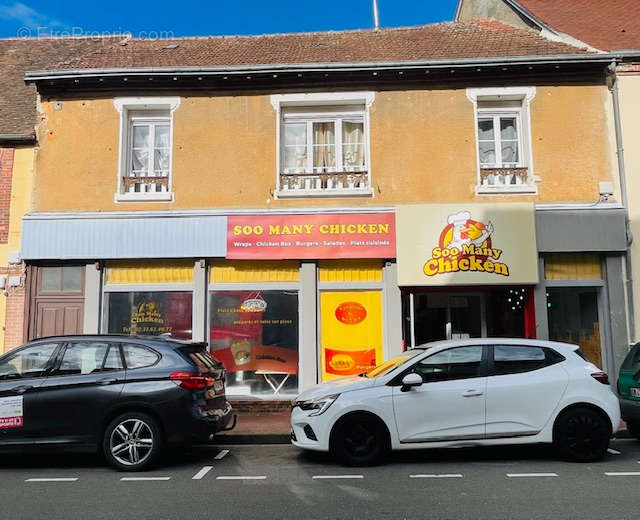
(312, 216)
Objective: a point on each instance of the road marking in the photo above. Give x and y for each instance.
(202, 473)
(74, 479)
(517, 475)
(135, 479)
(623, 474)
(612, 451)
(248, 477)
(221, 454)
(443, 475)
(326, 477)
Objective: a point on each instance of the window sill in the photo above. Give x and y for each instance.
(144, 197)
(326, 192)
(505, 190)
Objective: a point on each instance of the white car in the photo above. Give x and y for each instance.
(474, 392)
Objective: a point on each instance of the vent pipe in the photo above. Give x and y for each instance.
(376, 22)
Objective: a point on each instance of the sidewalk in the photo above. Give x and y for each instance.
(258, 428)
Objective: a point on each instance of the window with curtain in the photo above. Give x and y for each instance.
(149, 157)
(498, 141)
(323, 144)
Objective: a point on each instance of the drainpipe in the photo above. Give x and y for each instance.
(613, 87)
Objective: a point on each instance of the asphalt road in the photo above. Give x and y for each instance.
(280, 481)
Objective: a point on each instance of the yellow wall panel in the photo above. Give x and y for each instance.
(572, 267)
(342, 271)
(254, 272)
(149, 272)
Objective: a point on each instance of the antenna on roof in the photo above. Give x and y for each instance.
(376, 24)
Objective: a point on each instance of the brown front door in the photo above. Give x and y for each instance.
(55, 318)
(56, 300)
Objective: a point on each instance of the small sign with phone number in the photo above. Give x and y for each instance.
(11, 412)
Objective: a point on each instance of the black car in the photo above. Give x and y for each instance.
(127, 396)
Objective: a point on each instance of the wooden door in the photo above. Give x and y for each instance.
(61, 317)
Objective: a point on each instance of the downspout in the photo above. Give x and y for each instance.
(612, 81)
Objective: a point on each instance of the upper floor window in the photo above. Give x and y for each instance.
(503, 140)
(324, 144)
(146, 129)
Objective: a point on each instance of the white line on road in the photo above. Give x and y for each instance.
(516, 475)
(74, 479)
(612, 451)
(249, 477)
(202, 473)
(327, 477)
(135, 479)
(221, 454)
(623, 474)
(443, 475)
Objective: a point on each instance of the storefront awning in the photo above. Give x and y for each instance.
(93, 236)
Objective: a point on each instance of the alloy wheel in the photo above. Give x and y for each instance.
(359, 440)
(131, 442)
(584, 434)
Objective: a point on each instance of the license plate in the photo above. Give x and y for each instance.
(635, 392)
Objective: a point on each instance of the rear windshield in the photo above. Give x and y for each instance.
(632, 361)
(199, 355)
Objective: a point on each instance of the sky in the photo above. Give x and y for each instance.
(166, 19)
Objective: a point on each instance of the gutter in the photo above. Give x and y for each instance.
(17, 138)
(40, 75)
(623, 188)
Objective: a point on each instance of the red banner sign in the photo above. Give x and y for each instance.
(347, 235)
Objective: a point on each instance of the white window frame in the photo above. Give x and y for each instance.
(125, 106)
(281, 102)
(523, 95)
(496, 116)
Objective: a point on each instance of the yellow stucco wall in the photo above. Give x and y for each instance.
(629, 88)
(422, 149)
(21, 193)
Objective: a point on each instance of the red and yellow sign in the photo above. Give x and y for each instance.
(351, 332)
(465, 244)
(317, 236)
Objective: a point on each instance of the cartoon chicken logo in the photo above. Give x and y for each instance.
(465, 244)
(464, 231)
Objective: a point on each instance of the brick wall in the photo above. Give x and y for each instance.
(260, 407)
(6, 172)
(14, 320)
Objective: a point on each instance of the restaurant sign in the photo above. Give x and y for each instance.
(467, 244)
(311, 236)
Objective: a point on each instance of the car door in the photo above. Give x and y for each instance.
(88, 377)
(450, 404)
(22, 372)
(524, 386)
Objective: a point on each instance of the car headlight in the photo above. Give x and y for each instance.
(320, 404)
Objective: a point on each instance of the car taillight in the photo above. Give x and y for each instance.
(601, 377)
(191, 381)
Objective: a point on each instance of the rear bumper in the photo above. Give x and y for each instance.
(630, 410)
(200, 428)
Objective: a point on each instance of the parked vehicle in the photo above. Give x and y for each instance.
(463, 393)
(629, 390)
(130, 397)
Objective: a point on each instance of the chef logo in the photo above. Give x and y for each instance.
(465, 244)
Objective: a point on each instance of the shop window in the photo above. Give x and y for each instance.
(254, 333)
(572, 266)
(573, 318)
(146, 148)
(150, 313)
(503, 141)
(324, 144)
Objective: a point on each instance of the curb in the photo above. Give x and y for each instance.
(274, 438)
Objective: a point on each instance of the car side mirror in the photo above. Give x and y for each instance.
(411, 380)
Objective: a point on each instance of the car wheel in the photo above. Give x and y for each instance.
(634, 429)
(360, 441)
(132, 441)
(582, 435)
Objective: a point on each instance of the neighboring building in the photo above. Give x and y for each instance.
(310, 204)
(17, 156)
(606, 27)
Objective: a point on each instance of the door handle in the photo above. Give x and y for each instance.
(472, 393)
(21, 389)
(107, 381)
